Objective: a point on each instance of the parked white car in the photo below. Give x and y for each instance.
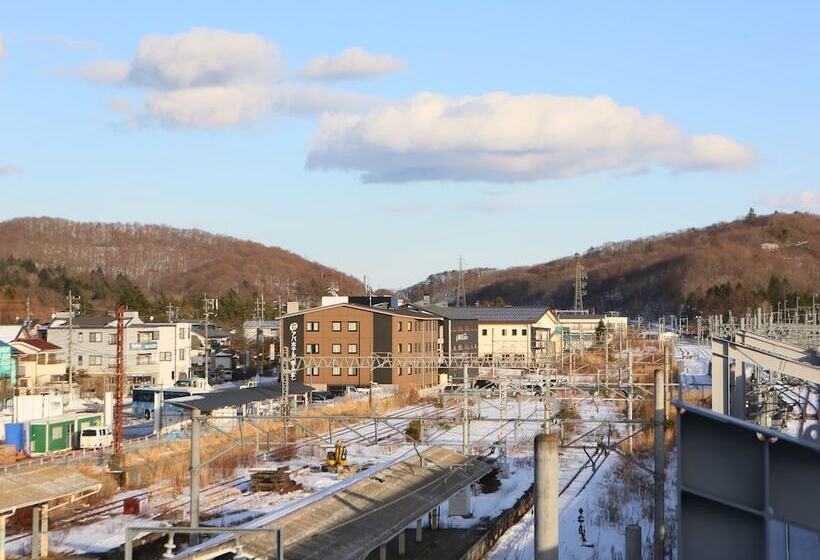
(96, 437)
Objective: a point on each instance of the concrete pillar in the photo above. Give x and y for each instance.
(546, 496)
(195, 461)
(720, 376)
(402, 544)
(383, 551)
(418, 530)
(108, 409)
(35, 533)
(435, 516)
(632, 545)
(157, 412)
(44, 530)
(2, 537)
(660, 460)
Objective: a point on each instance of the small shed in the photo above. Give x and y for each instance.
(60, 433)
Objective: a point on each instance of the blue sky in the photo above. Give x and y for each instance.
(508, 133)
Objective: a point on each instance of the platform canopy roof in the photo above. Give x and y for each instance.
(215, 400)
(348, 524)
(26, 488)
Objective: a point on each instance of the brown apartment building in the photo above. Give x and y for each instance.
(334, 339)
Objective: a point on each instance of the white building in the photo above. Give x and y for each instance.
(270, 329)
(158, 353)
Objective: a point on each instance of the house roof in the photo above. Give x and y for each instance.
(10, 332)
(401, 312)
(265, 324)
(490, 314)
(29, 488)
(38, 344)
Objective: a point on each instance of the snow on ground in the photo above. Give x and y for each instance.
(693, 360)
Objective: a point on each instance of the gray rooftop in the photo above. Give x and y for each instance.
(20, 489)
(350, 523)
(489, 314)
(215, 400)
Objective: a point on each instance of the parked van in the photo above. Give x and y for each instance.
(95, 437)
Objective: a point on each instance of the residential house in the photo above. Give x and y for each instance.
(38, 362)
(156, 353)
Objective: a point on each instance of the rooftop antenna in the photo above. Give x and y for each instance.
(580, 284)
(461, 291)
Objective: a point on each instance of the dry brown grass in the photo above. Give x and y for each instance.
(169, 464)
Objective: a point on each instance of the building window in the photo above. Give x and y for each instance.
(80, 360)
(79, 336)
(353, 326)
(483, 332)
(182, 353)
(399, 323)
(336, 348)
(313, 370)
(353, 371)
(182, 333)
(523, 332)
(112, 338)
(401, 347)
(409, 370)
(352, 348)
(515, 332)
(95, 360)
(112, 362)
(336, 326)
(312, 326)
(165, 356)
(409, 326)
(95, 337)
(399, 370)
(311, 348)
(147, 336)
(143, 359)
(337, 370)
(503, 332)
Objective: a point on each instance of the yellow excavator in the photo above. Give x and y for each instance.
(337, 457)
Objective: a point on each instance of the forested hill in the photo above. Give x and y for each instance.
(146, 265)
(726, 266)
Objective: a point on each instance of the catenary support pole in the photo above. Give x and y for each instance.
(633, 541)
(465, 414)
(44, 531)
(418, 530)
(660, 411)
(402, 543)
(546, 496)
(195, 462)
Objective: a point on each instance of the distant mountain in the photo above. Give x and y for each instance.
(146, 265)
(726, 266)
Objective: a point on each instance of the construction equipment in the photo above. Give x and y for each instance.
(337, 457)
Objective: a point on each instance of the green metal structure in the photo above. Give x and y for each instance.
(60, 433)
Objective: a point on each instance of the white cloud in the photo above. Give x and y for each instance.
(803, 200)
(204, 57)
(2, 45)
(242, 104)
(210, 78)
(354, 62)
(502, 137)
(104, 71)
(9, 169)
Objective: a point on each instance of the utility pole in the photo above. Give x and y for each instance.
(73, 304)
(465, 414)
(260, 315)
(28, 312)
(119, 388)
(660, 459)
(209, 307)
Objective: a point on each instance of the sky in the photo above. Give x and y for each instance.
(388, 139)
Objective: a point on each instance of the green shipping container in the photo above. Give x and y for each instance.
(60, 433)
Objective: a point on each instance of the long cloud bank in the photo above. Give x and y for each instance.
(500, 137)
